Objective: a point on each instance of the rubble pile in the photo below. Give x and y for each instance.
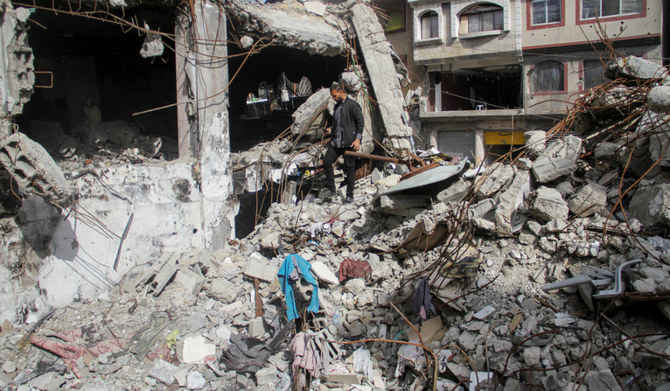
(546, 270)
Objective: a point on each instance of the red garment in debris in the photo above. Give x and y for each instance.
(69, 351)
(350, 268)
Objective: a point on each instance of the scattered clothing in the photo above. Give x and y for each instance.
(310, 351)
(294, 268)
(68, 345)
(246, 354)
(350, 268)
(421, 302)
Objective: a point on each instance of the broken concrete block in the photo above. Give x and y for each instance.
(195, 381)
(547, 169)
(351, 81)
(47, 381)
(531, 356)
(636, 68)
(256, 327)
(510, 201)
(645, 285)
(305, 114)
(34, 170)
(651, 205)
(656, 127)
(315, 7)
(658, 99)
(549, 205)
(195, 348)
(524, 163)
(349, 214)
(477, 379)
(527, 238)
(267, 377)
(601, 381)
(607, 150)
(261, 270)
(455, 192)
(558, 159)
(344, 378)
(495, 177)
(354, 286)
(191, 280)
(160, 274)
(556, 226)
(582, 248)
(323, 273)
(535, 141)
(388, 181)
(376, 176)
(271, 241)
(481, 208)
(565, 188)
(163, 371)
(223, 334)
(484, 312)
(9, 366)
(428, 330)
(223, 290)
(588, 200)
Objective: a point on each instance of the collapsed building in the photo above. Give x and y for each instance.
(142, 237)
(145, 167)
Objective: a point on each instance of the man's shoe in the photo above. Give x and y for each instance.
(349, 200)
(326, 194)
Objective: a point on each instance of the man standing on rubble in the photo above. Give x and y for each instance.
(346, 132)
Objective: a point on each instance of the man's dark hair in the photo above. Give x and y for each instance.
(336, 87)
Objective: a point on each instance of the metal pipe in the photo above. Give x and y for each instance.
(372, 157)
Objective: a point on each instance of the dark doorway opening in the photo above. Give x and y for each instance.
(91, 72)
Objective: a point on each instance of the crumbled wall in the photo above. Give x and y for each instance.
(78, 260)
(165, 217)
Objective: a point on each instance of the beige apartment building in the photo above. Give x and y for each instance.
(491, 70)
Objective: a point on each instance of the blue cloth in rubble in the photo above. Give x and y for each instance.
(421, 302)
(293, 268)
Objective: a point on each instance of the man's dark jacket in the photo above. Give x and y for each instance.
(352, 121)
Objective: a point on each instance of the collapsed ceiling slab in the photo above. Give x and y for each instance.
(288, 24)
(34, 169)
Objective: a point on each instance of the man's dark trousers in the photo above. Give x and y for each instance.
(349, 168)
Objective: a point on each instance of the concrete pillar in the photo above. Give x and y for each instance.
(480, 148)
(182, 29)
(438, 96)
(383, 76)
(207, 70)
(434, 139)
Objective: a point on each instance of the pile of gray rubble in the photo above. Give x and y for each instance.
(447, 296)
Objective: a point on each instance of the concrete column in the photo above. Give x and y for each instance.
(438, 96)
(434, 139)
(383, 76)
(480, 148)
(207, 69)
(182, 29)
